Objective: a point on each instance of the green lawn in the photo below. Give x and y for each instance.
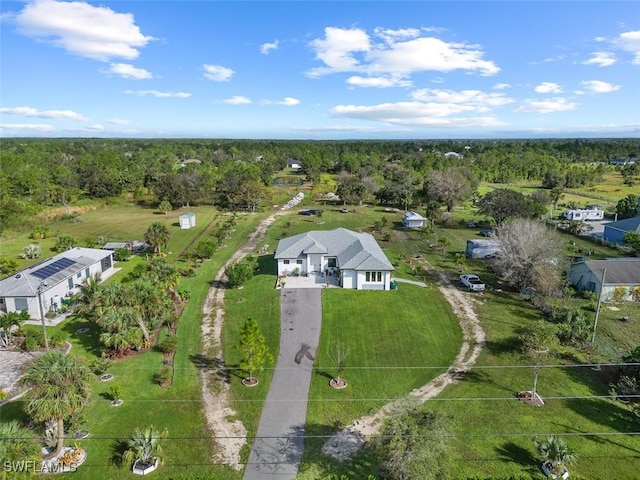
(396, 341)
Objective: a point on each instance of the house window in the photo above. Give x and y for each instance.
(1, 301)
(373, 276)
(332, 262)
(70, 282)
(21, 304)
(286, 262)
(87, 273)
(79, 274)
(299, 262)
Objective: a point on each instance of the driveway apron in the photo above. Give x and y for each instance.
(278, 447)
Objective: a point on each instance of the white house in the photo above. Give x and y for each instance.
(622, 275)
(187, 220)
(56, 278)
(355, 258)
(413, 220)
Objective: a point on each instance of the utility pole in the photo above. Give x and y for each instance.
(595, 323)
(44, 328)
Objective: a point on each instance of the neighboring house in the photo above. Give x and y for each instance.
(454, 155)
(623, 161)
(186, 162)
(294, 164)
(187, 220)
(413, 220)
(56, 278)
(614, 231)
(481, 248)
(356, 258)
(622, 274)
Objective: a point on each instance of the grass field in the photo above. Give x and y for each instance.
(411, 329)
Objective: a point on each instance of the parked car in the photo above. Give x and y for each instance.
(472, 282)
(486, 232)
(344, 210)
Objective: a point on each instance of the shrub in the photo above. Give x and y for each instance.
(165, 376)
(100, 365)
(122, 255)
(30, 344)
(169, 344)
(57, 338)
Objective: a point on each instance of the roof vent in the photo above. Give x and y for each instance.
(17, 275)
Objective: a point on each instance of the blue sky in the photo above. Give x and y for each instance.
(320, 70)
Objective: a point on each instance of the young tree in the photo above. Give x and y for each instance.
(537, 341)
(254, 350)
(413, 444)
(144, 446)
(529, 253)
(165, 206)
(339, 357)
(555, 451)
(59, 388)
(633, 240)
(157, 235)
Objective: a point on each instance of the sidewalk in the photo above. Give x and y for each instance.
(277, 450)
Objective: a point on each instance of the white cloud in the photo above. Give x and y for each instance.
(126, 70)
(378, 82)
(548, 87)
(82, 29)
(237, 100)
(289, 102)
(27, 126)
(550, 105)
(602, 59)
(158, 94)
(96, 127)
(400, 54)
(415, 113)
(337, 48)
(265, 48)
(119, 121)
(501, 86)
(217, 73)
(598, 86)
(34, 112)
(472, 100)
(630, 42)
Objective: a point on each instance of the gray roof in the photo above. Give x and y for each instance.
(626, 225)
(25, 283)
(354, 251)
(413, 216)
(620, 271)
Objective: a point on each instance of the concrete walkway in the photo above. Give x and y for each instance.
(279, 444)
(412, 282)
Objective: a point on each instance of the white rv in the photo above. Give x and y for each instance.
(591, 212)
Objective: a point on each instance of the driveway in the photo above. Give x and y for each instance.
(278, 447)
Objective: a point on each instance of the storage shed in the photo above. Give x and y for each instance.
(615, 231)
(187, 220)
(481, 248)
(413, 220)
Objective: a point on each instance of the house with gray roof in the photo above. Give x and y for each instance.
(354, 258)
(620, 274)
(54, 279)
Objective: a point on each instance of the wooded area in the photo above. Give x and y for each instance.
(236, 174)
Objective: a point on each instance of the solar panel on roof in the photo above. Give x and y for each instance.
(53, 268)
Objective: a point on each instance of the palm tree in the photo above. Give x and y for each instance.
(554, 451)
(123, 331)
(157, 235)
(88, 297)
(10, 320)
(17, 444)
(144, 445)
(59, 388)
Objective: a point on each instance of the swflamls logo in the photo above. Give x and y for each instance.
(32, 466)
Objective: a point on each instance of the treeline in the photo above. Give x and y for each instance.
(236, 174)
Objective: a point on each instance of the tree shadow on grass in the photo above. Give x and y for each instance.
(217, 367)
(607, 413)
(512, 452)
(483, 378)
(117, 451)
(314, 460)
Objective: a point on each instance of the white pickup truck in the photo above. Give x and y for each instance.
(472, 282)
